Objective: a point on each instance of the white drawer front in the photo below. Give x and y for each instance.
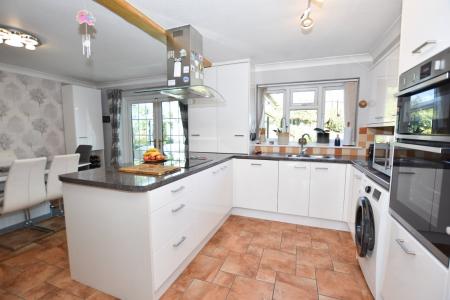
(169, 220)
(167, 193)
(411, 271)
(167, 259)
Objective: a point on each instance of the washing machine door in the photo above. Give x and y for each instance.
(364, 227)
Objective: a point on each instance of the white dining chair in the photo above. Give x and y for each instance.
(25, 187)
(61, 164)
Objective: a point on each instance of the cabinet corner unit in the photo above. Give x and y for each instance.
(82, 111)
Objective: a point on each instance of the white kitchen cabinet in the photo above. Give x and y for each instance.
(412, 272)
(383, 79)
(203, 119)
(293, 187)
(423, 21)
(327, 191)
(233, 83)
(82, 110)
(255, 184)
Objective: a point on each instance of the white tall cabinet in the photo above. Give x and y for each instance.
(223, 127)
(82, 110)
(423, 22)
(383, 78)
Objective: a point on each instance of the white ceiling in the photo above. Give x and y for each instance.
(266, 31)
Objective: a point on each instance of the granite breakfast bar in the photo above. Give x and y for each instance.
(131, 235)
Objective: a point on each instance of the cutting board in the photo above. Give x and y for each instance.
(148, 169)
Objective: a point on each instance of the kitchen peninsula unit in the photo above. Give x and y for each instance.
(131, 236)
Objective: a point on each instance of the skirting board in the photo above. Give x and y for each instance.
(169, 281)
(299, 220)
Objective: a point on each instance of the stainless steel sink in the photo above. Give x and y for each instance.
(298, 155)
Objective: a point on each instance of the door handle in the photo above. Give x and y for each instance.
(239, 135)
(195, 134)
(418, 50)
(401, 243)
(181, 241)
(178, 208)
(297, 167)
(322, 168)
(178, 189)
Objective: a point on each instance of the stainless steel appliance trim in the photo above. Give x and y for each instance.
(421, 46)
(424, 84)
(437, 138)
(181, 241)
(401, 243)
(423, 148)
(178, 208)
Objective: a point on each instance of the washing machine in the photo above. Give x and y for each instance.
(371, 219)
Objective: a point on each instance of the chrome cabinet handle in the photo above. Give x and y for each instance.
(195, 134)
(418, 50)
(254, 164)
(321, 168)
(239, 135)
(379, 117)
(174, 210)
(298, 167)
(401, 243)
(181, 241)
(178, 189)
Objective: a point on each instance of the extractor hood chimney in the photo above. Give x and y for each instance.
(185, 69)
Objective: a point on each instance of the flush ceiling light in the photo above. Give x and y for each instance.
(17, 38)
(306, 22)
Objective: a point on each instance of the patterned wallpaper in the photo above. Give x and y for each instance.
(31, 122)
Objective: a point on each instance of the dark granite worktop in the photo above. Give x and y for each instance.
(111, 178)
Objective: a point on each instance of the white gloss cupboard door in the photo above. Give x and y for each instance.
(203, 119)
(422, 22)
(412, 272)
(327, 191)
(255, 184)
(293, 187)
(233, 83)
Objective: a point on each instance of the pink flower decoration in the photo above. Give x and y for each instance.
(85, 17)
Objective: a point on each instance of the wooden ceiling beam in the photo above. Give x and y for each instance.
(135, 17)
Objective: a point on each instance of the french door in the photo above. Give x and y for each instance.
(156, 124)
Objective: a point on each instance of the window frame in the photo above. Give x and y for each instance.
(319, 105)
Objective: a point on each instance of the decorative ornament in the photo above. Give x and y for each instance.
(362, 103)
(86, 18)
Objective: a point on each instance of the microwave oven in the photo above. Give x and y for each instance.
(381, 154)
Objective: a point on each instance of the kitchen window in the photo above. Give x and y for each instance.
(307, 106)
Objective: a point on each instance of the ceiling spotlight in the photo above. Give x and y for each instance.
(18, 38)
(306, 22)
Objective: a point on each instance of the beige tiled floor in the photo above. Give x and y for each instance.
(246, 259)
(258, 259)
(41, 271)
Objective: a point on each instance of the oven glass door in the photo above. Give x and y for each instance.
(420, 194)
(425, 113)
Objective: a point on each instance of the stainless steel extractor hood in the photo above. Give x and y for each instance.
(185, 68)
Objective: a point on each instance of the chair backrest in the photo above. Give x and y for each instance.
(85, 152)
(25, 185)
(61, 164)
(6, 158)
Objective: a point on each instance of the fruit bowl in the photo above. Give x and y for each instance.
(154, 161)
(153, 156)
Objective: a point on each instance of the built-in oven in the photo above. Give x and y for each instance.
(420, 194)
(381, 159)
(424, 101)
(420, 182)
